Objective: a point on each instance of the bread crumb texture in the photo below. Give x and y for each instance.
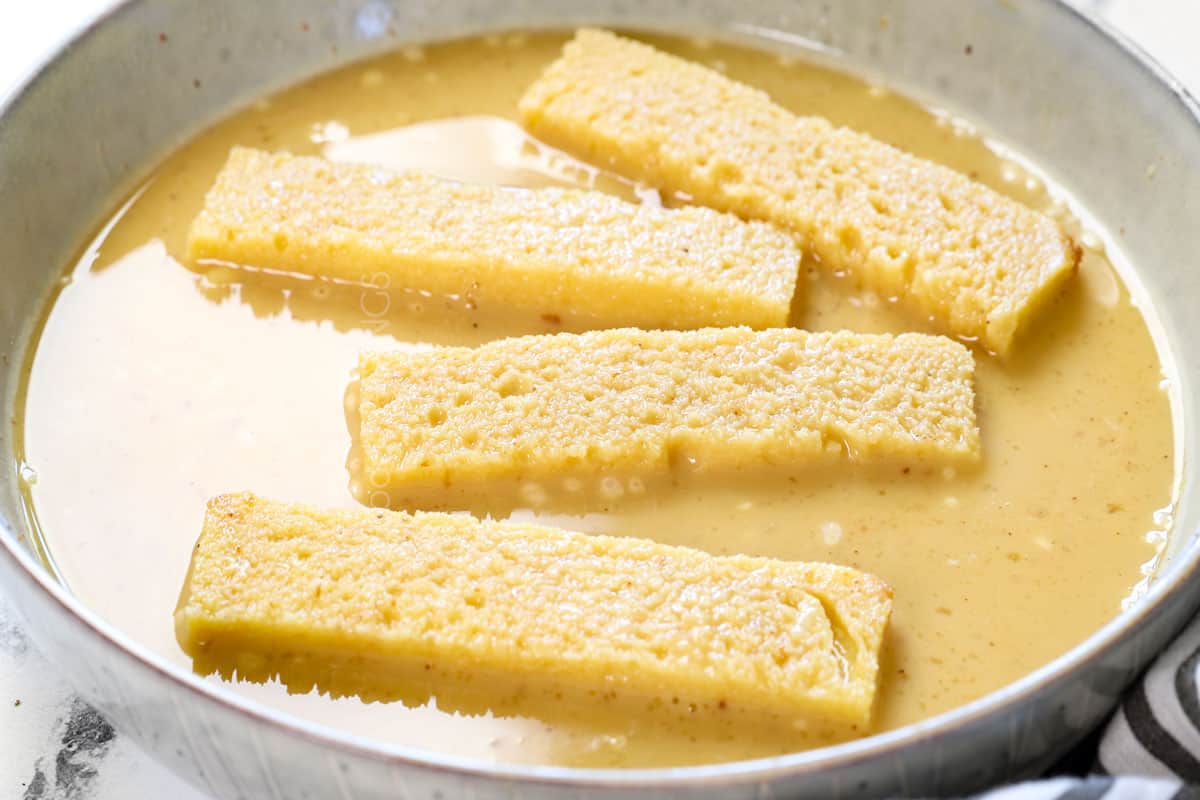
(978, 263)
(591, 612)
(639, 401)
(552, 250)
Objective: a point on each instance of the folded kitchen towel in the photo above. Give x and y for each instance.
(1156, 731)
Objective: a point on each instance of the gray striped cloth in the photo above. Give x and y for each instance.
(1151, 746)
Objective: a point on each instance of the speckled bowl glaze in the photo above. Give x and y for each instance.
(1106, 123)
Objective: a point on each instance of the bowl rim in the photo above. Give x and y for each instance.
(1182, 574)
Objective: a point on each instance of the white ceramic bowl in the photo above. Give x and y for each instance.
(1107, 124)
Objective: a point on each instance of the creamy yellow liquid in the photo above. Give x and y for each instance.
(154, 387)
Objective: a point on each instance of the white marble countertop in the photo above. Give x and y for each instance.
(52, 745)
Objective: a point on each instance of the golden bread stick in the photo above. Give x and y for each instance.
(635, 402)
(546, 606)
(551, 250)
(978, 263)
